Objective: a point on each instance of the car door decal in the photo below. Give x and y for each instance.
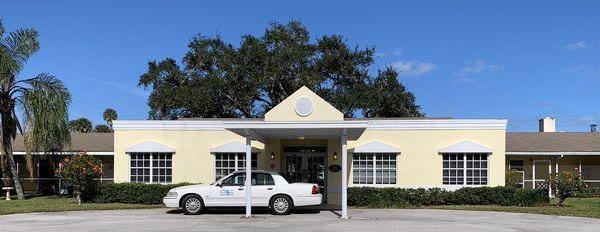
(226, 192)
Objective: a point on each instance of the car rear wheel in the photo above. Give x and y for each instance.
(192, 205)
(281, 205)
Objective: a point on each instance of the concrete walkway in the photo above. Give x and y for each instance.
(362, 220)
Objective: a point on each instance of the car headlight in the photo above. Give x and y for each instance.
(172, 194)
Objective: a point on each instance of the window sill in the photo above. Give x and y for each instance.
(375, 185)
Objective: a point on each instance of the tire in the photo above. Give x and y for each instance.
(281, 205)
(192, 205)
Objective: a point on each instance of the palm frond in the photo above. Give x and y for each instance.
(45, 111)
(18, 46)
(1, 28)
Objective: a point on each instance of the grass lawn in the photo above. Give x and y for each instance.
(584, 207)
(59, 203)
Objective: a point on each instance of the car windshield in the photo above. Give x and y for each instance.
(221, 180)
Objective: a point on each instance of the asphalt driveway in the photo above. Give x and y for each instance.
(362, 220)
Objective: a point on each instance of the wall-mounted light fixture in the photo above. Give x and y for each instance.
(335, 156)
(272, 155)
(301, 137)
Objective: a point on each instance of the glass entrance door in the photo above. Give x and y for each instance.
(306, 168)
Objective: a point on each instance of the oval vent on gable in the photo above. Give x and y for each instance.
(303, 107)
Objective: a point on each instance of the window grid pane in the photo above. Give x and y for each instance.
(226, 163)
(151, 167)
(472, 166)
(453, 169)
(374, 168)
(477, 169)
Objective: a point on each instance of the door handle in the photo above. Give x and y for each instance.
(269, 188)
(240, 188)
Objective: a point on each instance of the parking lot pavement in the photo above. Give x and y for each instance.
(230, 220)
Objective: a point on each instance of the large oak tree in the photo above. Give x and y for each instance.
(219, 79)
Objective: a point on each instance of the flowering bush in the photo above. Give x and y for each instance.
(568, 184)
(79, 172)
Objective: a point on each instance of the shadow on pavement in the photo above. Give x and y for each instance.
(257, 211)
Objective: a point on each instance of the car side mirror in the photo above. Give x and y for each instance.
(219, 185)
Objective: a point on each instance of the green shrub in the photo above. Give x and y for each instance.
(133, 193)
(592, 192)
(513, 178)
(400, 197)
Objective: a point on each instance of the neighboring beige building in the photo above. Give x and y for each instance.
(43, 180)
(537, 154)
(306, 139)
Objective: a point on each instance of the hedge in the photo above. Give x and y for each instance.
(132, 193)
(592, 192)
(400, 197)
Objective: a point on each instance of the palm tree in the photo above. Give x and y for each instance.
(102, 129)
(43, 101)
(110, 115)
(81, 125)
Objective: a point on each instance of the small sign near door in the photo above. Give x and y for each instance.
(335, 168)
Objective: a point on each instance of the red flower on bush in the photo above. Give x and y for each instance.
(568, 184)
(79, 172)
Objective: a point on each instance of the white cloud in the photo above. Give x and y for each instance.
(413, 68)
(581, 45)
(134, 90)
(578, 68)
(478, 66)
(398, 51)
(585, 70)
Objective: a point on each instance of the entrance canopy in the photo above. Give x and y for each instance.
(266, 130)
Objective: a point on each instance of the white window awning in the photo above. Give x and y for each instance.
(466, 147)
(232, 147)
(150, 146)
(375, 147)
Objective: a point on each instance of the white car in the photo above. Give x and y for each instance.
(269, 189)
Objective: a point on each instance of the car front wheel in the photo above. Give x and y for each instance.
(281, 205)
(192, 205)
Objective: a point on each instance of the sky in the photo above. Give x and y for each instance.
(517, 60)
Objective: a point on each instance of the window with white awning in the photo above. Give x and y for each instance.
(465, 164)
(150, 162)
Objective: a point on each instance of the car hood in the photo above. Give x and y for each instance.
(195, 186)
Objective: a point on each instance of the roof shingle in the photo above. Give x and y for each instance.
(552, 142)
(90, 142)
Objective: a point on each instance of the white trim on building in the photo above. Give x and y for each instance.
(552, 153)
(95, 153)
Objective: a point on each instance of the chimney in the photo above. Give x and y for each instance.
(593, 128)
(547, 124)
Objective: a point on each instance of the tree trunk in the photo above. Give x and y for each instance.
(7, 131)
(5, 173)
(12, 166)
(78, 194)
(560, 202)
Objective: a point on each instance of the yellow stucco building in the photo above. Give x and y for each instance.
(306, 139)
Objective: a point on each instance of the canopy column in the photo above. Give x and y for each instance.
(343, 142)
(248, 175)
